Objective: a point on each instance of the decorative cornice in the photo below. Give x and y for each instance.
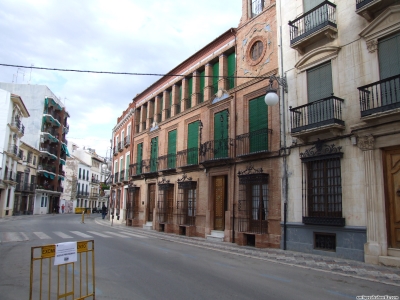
(320, 149)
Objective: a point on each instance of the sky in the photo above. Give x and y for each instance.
(132, 36)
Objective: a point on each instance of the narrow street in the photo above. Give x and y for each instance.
(132, 263)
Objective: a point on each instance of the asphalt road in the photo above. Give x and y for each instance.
(132, 265)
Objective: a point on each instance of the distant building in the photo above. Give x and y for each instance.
(12, 113)
(46, 130)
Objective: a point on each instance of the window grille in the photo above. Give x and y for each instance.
(253, 201)
(322, 186)
(257, 7)
(325, 241)
(165, 205)
(186, 201)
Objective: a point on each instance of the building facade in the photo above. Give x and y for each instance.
(25, 190)
(46, 130)
(205, 147)
(341, 59)
(12, 113)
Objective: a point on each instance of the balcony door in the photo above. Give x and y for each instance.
(221, 134)
(319, 86)
(389, 65)
(393, 193)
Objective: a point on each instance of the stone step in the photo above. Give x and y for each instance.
(217, 233)
(391, 261)
(148, 226)
(394, 252)
(214, 238)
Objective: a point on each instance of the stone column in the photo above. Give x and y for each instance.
(223, 72)
(185, 93)
(166, 105)
(150, 113)
(157, 109)
(208, 82)
(175, 96)
(376, 229)
(196, 88)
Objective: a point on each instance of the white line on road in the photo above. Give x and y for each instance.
(81, 234)
(99, 234)
(62, 235)
(24, 236)
(42, 235)
(135, 235)
(117, 234)
(11, 237)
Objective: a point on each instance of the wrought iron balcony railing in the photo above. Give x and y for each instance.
(362, 3)
(120, 146)
(312, 21)
(380, 96)
(95, 180)
(319, 113)
(127, 141)
(51, 150)
(49, 168)
(167, 162)
(187, 157)
(217, 149)
(135, 169)
(13, 149)
(253, 142)
(122, 176)
(150, 165)
(200, 97)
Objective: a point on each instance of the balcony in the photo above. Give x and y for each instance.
(200, 97)
(368, 9)
(167, 162)
(49, 168)
(135, 170)
(9, 177)
(50, 151)
(380, 98)
(122, 176)
(94, 195)
(255, 142)
(116, 177)
(60, 189)
(13, 149)
(188, 157)
(320, 116)
(21, 154)
(217, 151)
(46, 187)
(115, 151)
(127, 141)
(149, 167)
(120, 147)
(95, 181)
(314, 25)
(82, 194)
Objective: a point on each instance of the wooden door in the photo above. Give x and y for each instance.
(151, 201)
(170, 204)
(393, 197)
(219, 202)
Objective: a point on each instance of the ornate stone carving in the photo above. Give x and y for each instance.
(320, 149)
(366, 142)
(372, 45)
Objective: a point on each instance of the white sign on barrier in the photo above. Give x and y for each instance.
(65, 253)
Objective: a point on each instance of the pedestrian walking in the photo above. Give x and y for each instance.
(103, 211)
(62, 208)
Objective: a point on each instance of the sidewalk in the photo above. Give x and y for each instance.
(360, 270)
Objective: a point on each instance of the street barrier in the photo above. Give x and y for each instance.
(63, 271)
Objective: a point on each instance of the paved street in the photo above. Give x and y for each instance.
(133, 263)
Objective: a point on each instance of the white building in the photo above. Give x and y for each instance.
(12, 112)
(342, 108)
(46, 130)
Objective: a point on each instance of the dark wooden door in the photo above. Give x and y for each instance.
(151, 201)
(393, 192)
(219, 202)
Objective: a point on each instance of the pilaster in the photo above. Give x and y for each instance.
(208, 83)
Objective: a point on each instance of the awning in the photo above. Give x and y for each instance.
(62, 161)
(60, 177)
(65, 149)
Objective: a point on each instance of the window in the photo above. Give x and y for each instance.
(190, 87)
(253, 201)
(256, 50)
(139, 155)
(193, 143)
(153, 154)
(165, 202)
(215, 79)
(186, 204)
(202, 86)
(258, 125)
(256, 7)
(34, 160)
(310, 4)
(322, 186)
(221, 134)
(171, 149)
(231, 70)
(128, 161)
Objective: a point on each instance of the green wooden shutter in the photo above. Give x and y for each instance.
(170, 99)
(153, 154)
(190, 83)
(231, 70)
(221, 134)
(162, 102)
(202, 85)
(172, 149)
(193, 143)
(139, 158)
(215, 76)
(258, 125)
(180, 92)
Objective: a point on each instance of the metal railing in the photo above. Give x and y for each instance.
(318, 113)
(122, 175)
(135, 169)
(380, 96)
(13, 149)
(217, 149)
(166, 162)
(315, 19)
(116, 177)
(253, 142)
(49, 168)
(51, 150)
(187, 157)
(362, 3)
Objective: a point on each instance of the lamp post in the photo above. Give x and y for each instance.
(271, 99)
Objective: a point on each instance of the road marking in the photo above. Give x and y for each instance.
(135, 235)
(117, 234)
(12, 237)
(25, 236)
(62, 235)
(99, 234)
(42, 235)
(81, 234)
